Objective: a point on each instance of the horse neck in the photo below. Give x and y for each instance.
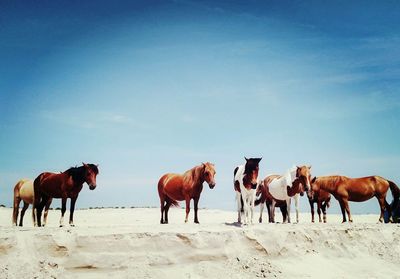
(295, 189)
(77, 175)
(195, 177)
(329, 184)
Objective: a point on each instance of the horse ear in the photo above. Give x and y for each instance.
(309, 167)
(246, 159)
(259, 159)
(313, 180)
(83, 164)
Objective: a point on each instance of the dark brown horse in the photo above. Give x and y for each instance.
(346, 189)
(63, 185)
(178, 187)
(322, 199)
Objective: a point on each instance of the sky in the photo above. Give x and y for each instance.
(143, 88)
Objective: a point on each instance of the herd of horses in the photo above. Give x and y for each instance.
(272, 191)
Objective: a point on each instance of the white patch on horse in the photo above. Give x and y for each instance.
(248, 196)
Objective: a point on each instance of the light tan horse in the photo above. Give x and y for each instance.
(346, 189)
(174, 187)
(23, 191)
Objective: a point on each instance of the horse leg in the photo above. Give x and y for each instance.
(24, 208)
(187, 199)
(46, 211)
(196, 203)
(382, 202)
(162, 203)
(296, 204)
(17, 201)
(40, 209)
(272, 211)
(239, 206)
(346, 206)
(63, 209)
(71, 211)
(166, 208)
(323, 207)
(288, 201)
(319, 210)
(261, 212)
(312, 210)
(343, 211)
(251, 211)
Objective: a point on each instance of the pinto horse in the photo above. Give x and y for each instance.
(23, 191)
(291, 185)
(178, 187)
(245, 183)
(322, 198)
(62, 186)
(265, 198)
(346, 189)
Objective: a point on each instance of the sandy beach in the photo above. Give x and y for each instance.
(130, 243)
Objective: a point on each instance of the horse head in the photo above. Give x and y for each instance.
(303, 174)
(91, 172)
(251, 172)
(209, 173)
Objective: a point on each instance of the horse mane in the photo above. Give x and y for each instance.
(77, 173)
(193, 175)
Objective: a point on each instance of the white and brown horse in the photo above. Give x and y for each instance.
(245, 184)
(23, 191)
(346, 189)
(174, 187)
(291, 185)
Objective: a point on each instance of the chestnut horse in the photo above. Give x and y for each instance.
(283, 188)
(245, 184)
(346, 189)
(63, 185)
(322, 198)
(178, 187)
(23, 191)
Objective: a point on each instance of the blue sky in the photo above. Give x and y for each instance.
(144, 88)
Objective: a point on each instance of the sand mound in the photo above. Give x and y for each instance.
(130, 243)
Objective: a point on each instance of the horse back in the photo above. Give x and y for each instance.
(52, 184)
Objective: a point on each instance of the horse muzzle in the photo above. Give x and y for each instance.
(211, 185)
(92, 186)
(254, 186)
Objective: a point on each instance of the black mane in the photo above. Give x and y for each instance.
(78, 173)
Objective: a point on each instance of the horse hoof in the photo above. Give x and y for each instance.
(61, 226)
(72, 225)
(196, 222)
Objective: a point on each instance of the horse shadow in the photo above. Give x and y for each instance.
(234, 224)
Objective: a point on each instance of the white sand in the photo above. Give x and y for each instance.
(130, 243)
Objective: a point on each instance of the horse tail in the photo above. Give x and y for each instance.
(174, 202)
(395, 193)
(16, 202)
(242, 204)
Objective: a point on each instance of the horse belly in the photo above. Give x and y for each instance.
(360, 193)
